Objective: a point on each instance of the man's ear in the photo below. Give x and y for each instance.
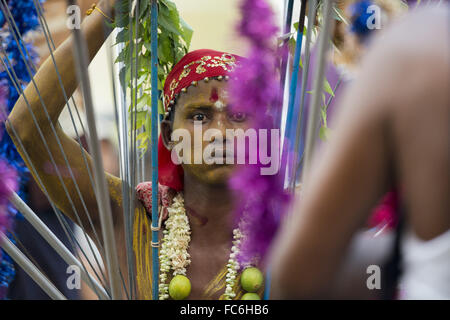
(166, 132)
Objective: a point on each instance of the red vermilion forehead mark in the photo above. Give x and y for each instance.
(214, 95)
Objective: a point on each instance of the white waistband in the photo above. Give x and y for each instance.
(426, 267)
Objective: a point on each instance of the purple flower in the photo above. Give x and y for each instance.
(8, 183)
(255, 90)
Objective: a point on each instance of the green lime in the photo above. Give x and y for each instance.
(252, 279)
(250, 296)
(179, 287)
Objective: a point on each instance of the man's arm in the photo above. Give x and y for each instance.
(21, 119)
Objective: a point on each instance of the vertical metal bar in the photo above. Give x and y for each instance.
(268, 283)
(296, 65)
(154, 139)
(133, 107)
(122, 117)
(294, 80)
(130, 117)
(104, 204)
(128, 237)
(30, 268)
(311, 17)
(314, 112)
(285, 58)
(55, 243)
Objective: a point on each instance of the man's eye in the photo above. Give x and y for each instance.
(238, 116)
(199, 117)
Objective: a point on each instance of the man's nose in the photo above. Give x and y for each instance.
(221, 123)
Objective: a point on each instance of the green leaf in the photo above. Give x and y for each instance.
(323, 113)
(324, 133)
(292, 44)
(296, 27)
(144, 6)
(187, 32)
(168, 25)
(123, 36)
(169, 4)
(160, 107)
(124, 55)
(148, 127)
(327, 87)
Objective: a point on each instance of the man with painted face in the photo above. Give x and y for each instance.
(195, 96)
(195, 93)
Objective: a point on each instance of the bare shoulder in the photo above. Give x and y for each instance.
(417, 32)
(410, 57)
(422, 39)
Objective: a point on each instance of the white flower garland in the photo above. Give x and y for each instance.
(233, 266)
(175, 243)
(174, 246)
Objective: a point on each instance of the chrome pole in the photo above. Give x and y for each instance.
(101, 188)
(314, 112)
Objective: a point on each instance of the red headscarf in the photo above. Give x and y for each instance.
(193, 67)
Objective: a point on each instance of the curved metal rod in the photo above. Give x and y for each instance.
(55, 243)
(30, 268)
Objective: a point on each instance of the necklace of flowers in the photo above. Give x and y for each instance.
(173, 255)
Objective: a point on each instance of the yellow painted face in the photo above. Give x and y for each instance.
(206, 106)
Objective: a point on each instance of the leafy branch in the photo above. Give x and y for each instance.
(174, 38)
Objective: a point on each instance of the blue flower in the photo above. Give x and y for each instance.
(2, 19)
(359, 17)
(25, 17)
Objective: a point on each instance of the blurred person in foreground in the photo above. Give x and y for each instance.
(392, 131)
